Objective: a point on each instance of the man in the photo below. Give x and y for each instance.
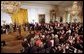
(34, 49)
(59, 49)
(52, 42)
(56, 40)
(32, 42)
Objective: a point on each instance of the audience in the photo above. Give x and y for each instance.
(55, 37)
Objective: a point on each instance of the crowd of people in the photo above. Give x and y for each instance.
(54, 37)
(9, 28)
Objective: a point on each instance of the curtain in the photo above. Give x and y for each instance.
(20, 17)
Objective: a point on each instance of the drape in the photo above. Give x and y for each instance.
(20, 17)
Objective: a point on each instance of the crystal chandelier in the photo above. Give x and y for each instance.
(10, 6)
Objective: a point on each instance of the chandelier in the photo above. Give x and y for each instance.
(10, 6)
(75, 9)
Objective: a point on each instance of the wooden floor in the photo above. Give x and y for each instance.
(12, 44)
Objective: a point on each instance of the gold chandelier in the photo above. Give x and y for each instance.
(10, 6)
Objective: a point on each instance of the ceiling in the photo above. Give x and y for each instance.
(61, 3)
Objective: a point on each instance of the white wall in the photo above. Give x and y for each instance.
(35, 9)
(6, 17)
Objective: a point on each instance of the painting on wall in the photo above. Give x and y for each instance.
(41, 18)
(52, 16)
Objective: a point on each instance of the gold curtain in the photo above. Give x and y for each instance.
(20, 17)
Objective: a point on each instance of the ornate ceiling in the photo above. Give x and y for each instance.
(61, 3)
(12, 6)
